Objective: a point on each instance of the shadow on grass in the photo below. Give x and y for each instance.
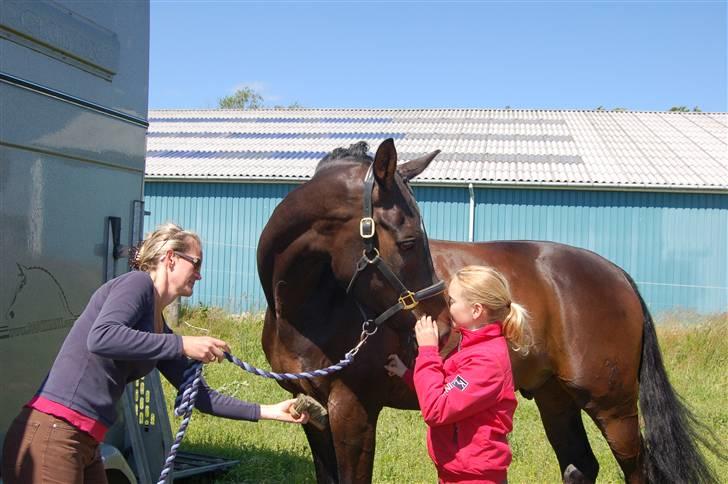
(256, 465)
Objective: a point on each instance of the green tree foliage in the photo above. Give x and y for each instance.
(294, 105)
(244, 98)
(248, 98)
(685, 109)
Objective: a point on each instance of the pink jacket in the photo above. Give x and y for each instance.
(468, 402)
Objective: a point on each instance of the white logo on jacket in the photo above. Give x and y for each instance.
(459, 382)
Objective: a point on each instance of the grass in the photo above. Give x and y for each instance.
(696, 356)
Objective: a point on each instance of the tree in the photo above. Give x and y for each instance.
(294, 105)
(244, 98)
(685, 109)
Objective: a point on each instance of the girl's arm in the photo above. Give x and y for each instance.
(395, 366)
(475, 387)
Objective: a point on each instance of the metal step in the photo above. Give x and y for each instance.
(189, 464)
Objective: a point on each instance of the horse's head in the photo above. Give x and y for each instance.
(379, 248)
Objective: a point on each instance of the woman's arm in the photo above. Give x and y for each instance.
(208, 400)
(112, 334)
(211, 402)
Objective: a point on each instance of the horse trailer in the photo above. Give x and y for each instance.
(73, 122)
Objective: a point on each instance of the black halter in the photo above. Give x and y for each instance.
(408, 300)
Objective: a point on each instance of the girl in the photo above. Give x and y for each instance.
(468, 400)
(120, 336)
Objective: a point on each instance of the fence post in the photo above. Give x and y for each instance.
(173, 312)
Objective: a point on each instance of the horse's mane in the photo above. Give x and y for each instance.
(355, 152)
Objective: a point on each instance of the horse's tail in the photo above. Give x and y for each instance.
(670, 453)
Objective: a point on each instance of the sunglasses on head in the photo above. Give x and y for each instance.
(195, 261)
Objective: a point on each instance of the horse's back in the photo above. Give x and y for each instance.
(584, 312)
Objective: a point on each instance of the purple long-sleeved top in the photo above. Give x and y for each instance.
(113, 343)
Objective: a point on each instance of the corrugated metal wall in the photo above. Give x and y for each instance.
(674, 245)
(229, 218)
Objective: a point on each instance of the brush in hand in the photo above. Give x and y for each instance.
(317, 414)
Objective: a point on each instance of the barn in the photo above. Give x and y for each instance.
(647, 190)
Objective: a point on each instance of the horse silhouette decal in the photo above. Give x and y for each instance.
(39, 303)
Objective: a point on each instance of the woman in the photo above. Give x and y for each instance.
(468, 400)
(120, 337)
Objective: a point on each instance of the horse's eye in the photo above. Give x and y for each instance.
(406, 244)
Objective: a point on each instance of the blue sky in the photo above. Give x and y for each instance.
(422, 54)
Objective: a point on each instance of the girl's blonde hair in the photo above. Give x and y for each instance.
(168, 236)
(486, 286)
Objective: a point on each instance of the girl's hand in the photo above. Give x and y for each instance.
(282, 412)
(204, 348)
(395, 366)
(426, 331)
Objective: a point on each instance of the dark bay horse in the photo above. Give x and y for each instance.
(595, 344)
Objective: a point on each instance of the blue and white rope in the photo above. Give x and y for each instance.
(185, 401)
(348, 358)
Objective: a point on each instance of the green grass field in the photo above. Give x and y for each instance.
(696, 356)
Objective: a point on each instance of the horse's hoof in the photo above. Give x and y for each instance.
(572, 475)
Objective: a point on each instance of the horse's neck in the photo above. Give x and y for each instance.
(293, 248)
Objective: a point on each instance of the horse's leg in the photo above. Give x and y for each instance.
(324, 456)
(561, 418)
(620, 426)
(353, 428)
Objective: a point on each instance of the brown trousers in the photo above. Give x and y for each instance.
(40, 448)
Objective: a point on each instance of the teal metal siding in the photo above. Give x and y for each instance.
(674, 245)
(229, 218)
(445, 212)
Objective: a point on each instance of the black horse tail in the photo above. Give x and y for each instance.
(670, 453)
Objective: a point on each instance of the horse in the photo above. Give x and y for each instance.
(594, 343)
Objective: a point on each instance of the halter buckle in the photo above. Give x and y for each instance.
(408, 300)
(367, 227)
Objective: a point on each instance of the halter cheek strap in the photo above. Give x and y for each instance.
(407, 300)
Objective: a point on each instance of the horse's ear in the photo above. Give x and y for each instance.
(413, 168)
(385, 162)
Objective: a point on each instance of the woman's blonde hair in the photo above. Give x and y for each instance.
(485, 285)
(168, 236)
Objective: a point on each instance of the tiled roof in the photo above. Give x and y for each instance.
(659, 150)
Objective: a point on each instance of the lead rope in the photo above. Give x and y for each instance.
(185, 401)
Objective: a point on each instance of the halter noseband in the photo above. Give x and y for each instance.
(407, 300)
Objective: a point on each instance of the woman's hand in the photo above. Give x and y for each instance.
(426, 331)
(204, 348)
(395, 366)
(282, 412)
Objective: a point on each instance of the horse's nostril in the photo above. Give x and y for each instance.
(11, 314)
